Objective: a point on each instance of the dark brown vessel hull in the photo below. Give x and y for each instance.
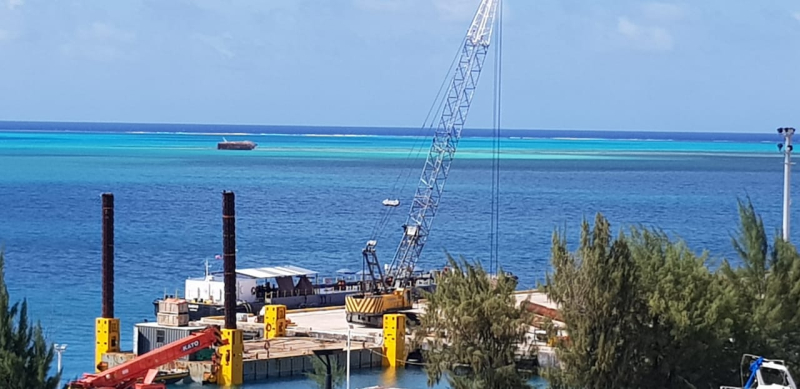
(236, 146)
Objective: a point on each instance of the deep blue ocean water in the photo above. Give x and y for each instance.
(313, 201)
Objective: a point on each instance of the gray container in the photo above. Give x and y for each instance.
(150, 336)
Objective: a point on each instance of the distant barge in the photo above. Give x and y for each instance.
(236, 145)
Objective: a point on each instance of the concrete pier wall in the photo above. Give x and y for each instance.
(264, 369)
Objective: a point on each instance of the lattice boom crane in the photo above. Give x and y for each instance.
(456, 104)
(445, 140)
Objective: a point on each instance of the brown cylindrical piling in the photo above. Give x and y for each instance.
(229, 257)
(108, 255)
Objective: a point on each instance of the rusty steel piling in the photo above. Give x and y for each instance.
(229, 257)
(108, 255)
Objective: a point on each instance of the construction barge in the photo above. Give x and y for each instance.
(175, 348)
(239, 347)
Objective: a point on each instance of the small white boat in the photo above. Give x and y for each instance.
(391, 203)
(765, 374)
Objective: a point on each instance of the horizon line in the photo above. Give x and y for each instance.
(360, 127)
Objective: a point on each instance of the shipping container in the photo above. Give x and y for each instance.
(150, 336)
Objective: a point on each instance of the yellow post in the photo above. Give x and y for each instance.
(231, 358)
(394, 340)
(274, 321)
(106, 339)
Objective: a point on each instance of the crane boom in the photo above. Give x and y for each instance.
(392, 292)
(126, 374)
(445, 140)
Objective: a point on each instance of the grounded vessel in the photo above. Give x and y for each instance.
(236, 145)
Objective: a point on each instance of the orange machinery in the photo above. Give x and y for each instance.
(145, 366)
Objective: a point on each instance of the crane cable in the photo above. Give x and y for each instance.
(498, 73)
(416, 149)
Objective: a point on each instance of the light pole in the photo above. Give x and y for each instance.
(349, 329)
(59, 349)
(786, 148)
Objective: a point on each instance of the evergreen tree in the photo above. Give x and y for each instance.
(781, 306)
(25, 357)
(474, 330)
(780, 309)
(688, 321)
(767, 288)
(646, 311)
(596, 289)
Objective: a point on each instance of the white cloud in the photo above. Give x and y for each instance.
(664, 12)
(381, 5)
(646, 38)
(11, 4)
(220, 43)
(448, 10)
(456, 9)
(100, 41)
(796, 16)
(649, 26)
(109, 33)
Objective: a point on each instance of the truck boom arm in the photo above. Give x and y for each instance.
(126, 374)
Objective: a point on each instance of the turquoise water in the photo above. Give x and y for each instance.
(313, 201)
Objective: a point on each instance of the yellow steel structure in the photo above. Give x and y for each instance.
(106, 339)
(274, 321)
(369, 309)
(231, 358)
(394, 340)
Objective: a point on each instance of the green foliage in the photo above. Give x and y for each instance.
(752, 247)
(25, 357)
(767, 288)
(318, 375)
(596, 290)
(476, 330)
(646, 311)
(688, 320)
(779, 311)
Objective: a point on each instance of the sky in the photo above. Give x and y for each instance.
(711, 65)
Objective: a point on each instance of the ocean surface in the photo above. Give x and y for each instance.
(312, 197)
